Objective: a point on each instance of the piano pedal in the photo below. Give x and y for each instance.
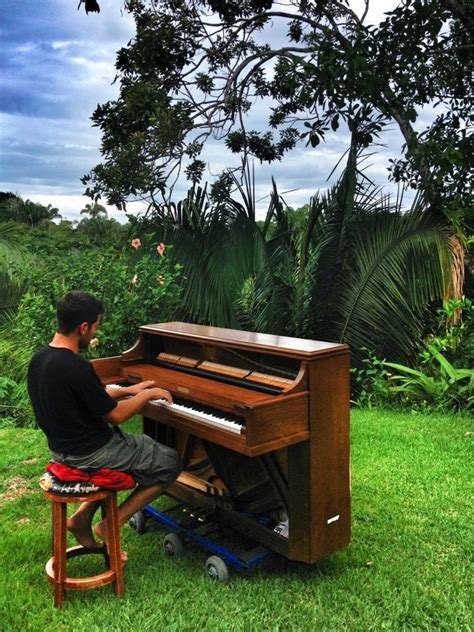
(218, 483)
(189, 523)
(197, 518)
(204, 517)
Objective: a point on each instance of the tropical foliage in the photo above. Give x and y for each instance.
(441, 378)
(354, 266)
(135, 289)
(13, 208)
(353, 269)
(448, 387)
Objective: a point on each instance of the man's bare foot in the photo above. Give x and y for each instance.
(81, 529)
(100, 530)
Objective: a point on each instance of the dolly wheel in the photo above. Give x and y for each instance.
(138, 521)
(217, 569)
(173, 545)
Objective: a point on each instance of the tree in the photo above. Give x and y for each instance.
(35, 214)
(10, 251)
(196, 68)
(101, 231)
(14, 209)
(94, 210)
(10, 241)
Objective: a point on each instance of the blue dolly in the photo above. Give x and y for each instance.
(196, 526)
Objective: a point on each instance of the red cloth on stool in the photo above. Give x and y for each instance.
(105, 477)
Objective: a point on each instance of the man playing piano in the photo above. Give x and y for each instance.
(81, 419)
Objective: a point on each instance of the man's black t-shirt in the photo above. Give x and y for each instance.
(69, 401)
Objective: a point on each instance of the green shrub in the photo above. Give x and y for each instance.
(443, 387)
(443, 380)
(6, 408)
(454, 334)
(370, 384)
(439, 378)
(137, 287)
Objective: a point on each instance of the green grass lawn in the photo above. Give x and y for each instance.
(409, 566)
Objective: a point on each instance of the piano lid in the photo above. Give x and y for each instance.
(284, 345)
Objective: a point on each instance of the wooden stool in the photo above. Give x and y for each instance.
(56, 566)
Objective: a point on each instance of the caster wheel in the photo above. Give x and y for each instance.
(138, 521)
(216, 569)
(173, 545)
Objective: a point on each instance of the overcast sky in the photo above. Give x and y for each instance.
(58, 64)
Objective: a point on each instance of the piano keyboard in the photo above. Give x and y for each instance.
(198, 413)
(193, 412)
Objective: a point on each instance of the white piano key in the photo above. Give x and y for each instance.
(207, 418)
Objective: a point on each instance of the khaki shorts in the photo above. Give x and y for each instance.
(149, 462)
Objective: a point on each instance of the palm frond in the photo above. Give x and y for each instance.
(397, 266)
(216, 261)
(10, 244)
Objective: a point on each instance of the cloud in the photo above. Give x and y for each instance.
(58, 64)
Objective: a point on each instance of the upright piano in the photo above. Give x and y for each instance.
(262, 425)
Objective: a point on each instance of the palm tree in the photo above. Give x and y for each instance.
(203, 236)
(94, 210)
(361, 272)
(10, 251)
(34, 214)
(358, 270)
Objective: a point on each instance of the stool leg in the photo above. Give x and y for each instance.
(59, 551)
(103, 513)
(113, 536)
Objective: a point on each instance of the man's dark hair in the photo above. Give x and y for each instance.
(75, 308)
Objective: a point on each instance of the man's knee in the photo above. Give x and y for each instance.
(165, 466)
(173, 468)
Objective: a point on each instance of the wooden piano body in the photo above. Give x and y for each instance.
(288, 399)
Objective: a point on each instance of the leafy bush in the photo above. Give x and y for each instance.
(371, 382)
(446, 388)
(7, 387)
(440, 379)
(454, 336)
(137, 287)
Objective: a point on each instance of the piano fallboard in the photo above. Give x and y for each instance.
(269, 422)
(196, 388)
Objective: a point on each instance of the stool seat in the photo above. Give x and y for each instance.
(56, 565)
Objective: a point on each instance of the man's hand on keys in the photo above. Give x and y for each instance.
(160, 393)
(136, 388)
